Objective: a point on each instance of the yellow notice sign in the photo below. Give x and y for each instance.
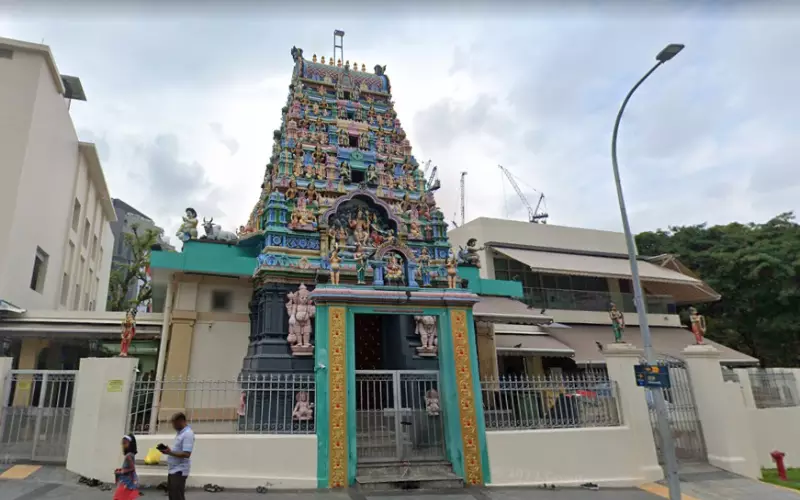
(114, 386)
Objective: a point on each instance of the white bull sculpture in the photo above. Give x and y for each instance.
(215, 232)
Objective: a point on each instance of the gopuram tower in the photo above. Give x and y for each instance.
(356, 290)
(341, 176)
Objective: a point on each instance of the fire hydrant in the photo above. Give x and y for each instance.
(777, 457)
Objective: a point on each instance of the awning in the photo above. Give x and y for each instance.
(503, 309)
(6, 306)
(589, 265)
(527, 344)
(666, 341)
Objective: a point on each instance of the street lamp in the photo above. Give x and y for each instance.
(668, 448)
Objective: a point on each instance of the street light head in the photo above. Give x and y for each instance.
(669, 52)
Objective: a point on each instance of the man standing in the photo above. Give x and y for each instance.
(178, 457)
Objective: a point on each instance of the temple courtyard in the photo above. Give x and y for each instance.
(50, 482)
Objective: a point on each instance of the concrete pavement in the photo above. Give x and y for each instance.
(48, 483)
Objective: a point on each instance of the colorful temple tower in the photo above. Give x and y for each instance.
(356, 283)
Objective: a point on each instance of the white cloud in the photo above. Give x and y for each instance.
(185, 108)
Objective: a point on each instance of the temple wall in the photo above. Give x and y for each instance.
(566, 457)
(242, 461)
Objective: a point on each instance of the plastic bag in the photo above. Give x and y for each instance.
(153, 457)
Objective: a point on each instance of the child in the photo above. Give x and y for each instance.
(127, 481)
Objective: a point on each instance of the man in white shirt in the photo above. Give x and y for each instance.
(179, 457)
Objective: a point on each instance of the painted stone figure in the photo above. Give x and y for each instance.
(394, 270)
(361, 264)
(469, 255)
(335, 262)
(372, 175)
(128, 332)
(424, 261)
(451, 265)
(432, 407)
(300, 310)
(617, 322)
(303, 409)
(698, 325)
(188, 229)
(426, 329)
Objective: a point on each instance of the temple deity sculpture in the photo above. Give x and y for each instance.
(303, 409)
(617, 322)
(300, 310)
(128, 332)
(432, 407)
(394, 270)
(335, 263)
(344, 138)
(424, 261)
(451, 264)
(698, 325)
(361, 264)
(414, 232)
(426, 329)
(291, 191)
(371, 175)
(469, 255)
(188, 229)
(344, 171)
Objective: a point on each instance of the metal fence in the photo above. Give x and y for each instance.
(774, 388)
(729, 375)
(35, 419)
(548, 402)
(264, 404)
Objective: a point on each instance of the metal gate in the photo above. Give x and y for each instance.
(684, 423)
(398, 416)
(35, 419)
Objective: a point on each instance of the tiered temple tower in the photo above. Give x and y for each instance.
(341, 180)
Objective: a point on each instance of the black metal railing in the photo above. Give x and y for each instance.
(580, 300)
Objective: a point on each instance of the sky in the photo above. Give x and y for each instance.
(183, 98)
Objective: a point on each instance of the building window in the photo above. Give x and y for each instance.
(353, 141)
(77, 298)
(221, 300)
(6, 54)
(76, 215)
(96, 288)
(39, 270)
(87, 228)
(101, 255)
(94, 246)
(64, 289)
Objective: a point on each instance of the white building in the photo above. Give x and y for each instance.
(55, 239)
(569, 278)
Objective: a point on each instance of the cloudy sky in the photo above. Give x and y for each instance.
(182, 101)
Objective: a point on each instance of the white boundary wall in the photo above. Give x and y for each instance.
(241, 460)
(568, 457)
(772, 428)
(608, 456)
(102, 398)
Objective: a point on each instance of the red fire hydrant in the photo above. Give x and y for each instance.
(777, 456)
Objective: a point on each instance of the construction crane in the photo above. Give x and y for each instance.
(427, 167)
(433, 182)
(463, 174)
(534, 215)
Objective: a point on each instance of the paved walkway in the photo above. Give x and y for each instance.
(50, 483)
(709, 483)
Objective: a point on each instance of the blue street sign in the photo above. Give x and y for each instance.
(652, 376)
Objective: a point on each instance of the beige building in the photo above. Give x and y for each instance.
(569, 277)
(55, 238)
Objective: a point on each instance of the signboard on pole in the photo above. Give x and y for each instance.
(652, 376)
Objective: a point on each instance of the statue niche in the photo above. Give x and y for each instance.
(360, 221)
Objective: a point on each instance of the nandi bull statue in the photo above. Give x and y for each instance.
(215, 232)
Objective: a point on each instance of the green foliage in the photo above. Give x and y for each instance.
(123, 278)
(756, 269)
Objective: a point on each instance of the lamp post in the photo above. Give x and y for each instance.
(667, 447)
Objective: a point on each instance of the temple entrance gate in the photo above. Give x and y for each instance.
(684, 423)
(36, 417)
(398, 416)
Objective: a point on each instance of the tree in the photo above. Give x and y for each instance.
(756, 269)
(124, 277)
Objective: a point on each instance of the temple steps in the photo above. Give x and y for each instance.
(389, 476)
